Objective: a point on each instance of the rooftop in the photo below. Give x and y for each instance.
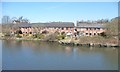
(85, 25)
(52, 24)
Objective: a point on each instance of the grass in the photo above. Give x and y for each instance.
(93, 39)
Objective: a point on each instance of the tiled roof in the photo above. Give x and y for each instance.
(22, 25)
(85, 25)
(52, 24)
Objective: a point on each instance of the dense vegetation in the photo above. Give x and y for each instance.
(112, 27)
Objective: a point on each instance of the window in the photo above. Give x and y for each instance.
(90, 28)
(94, 33)
(30, 32)
(86, 33)
(86, 28)
(62, 28)
(75, 29)
(98, 28)
(90, 33)
(94, 28)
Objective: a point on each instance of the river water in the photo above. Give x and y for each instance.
(36, 55)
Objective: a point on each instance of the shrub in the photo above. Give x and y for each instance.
(35, 36)
(63, 33)
(18, 36)
(41, 36)
(45, 32)
(59, 37)
(103, 34)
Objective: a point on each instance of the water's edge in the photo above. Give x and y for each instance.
(62, 42)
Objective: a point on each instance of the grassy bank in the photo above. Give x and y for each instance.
(91, 41)
(62, 38)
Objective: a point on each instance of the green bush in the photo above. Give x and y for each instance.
(59, 37)
(63, 33)
(39, 36)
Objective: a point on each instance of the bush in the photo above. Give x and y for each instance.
(63, 33)
(59, 37)
(35, 36)
(39, 36)
(18, 36)
(94, 39)
(45, 32)
(7, 34)
(103, 34)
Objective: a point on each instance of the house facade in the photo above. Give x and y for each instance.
(34, 28)
(82, 29)
(85, 29)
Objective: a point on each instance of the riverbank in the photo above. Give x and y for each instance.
(96, 41)
(88, 44)
(83, 41)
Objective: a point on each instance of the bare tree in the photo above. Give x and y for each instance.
(20, 20)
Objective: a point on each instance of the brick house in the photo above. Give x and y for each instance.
(92, 29)
(34, 28)
(82, 29)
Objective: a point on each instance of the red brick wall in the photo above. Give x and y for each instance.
(92, 31)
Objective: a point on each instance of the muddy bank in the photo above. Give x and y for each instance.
(89, 44)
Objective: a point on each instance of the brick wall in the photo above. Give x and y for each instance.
(91, 31)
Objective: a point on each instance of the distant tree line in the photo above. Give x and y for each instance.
(15, 20)
(113, 27)
(20, 20)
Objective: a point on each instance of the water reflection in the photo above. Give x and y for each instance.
(68, 50)
(51, 55)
